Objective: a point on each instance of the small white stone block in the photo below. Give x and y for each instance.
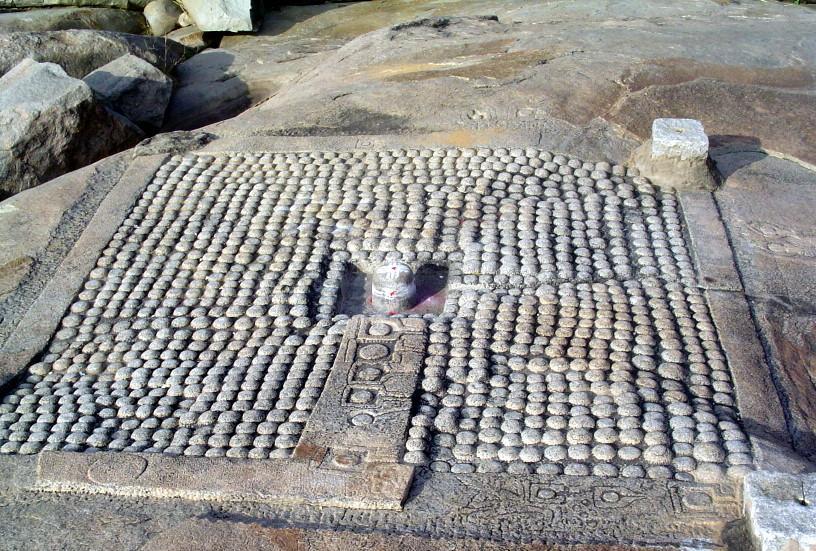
(781, 510)
(683, 139)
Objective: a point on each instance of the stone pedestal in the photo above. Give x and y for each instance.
(677, 156)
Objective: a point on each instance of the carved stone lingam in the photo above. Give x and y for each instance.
(393, 288)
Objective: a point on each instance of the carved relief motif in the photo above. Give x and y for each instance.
(780, 240)
(366, 403)
(607, 506)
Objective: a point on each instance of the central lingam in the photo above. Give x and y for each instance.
(393, 288)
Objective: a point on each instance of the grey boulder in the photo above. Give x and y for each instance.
(51, 125)
(121, 4)
(134, 88)
(191, 36)
(62, 19)
(81, 51)
(225, 15)
(162, 16)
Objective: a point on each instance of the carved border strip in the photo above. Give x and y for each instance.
(373, 486)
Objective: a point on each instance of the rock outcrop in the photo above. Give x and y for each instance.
(208, 91)
(121, 4)
(225, 15)
(52, 124)
(80, 52)
(162, 16)
(134, 88)
(63, 19)
(191, 36)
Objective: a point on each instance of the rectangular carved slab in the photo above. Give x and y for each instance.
(363, 413)
(373, 486)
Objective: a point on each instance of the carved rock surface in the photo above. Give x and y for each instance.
(224, 15)
(191, 36)
(51, 125)
(134, 88)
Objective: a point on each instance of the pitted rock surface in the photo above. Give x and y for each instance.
(574, 338)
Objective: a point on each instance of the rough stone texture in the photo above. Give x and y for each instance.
(173, 142)
(58, 271)
(61, 19)
(373, 380)
(534, 303)
(40, 225)
(767, 206)
(28, 222)
(591, 84)
(695, 173)
(219, 534)
(80, 52)
(333, 482)
(22, 240)
(683, 139)
(121, 4)
(506, 509)
(225, 15)
(52, 125)
(162, 16)
(781, 511)
(788, 132)
(629, 51)
(218, 84)
(207, 91)
(134, 88)
(190, 36)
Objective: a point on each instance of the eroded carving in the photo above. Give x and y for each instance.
(366, 402)
(780, 240)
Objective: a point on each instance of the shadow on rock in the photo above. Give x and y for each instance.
(731, 152)
(208, 91)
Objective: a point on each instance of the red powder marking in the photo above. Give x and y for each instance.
(391, 313)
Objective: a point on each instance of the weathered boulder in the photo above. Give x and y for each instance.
(208, 91)
(133, 87)
(185, 20)
(62, 19)
(52, 124)
(121, 4)
(162, 16)
(191, 36)
(225, 15)
(80, 52)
